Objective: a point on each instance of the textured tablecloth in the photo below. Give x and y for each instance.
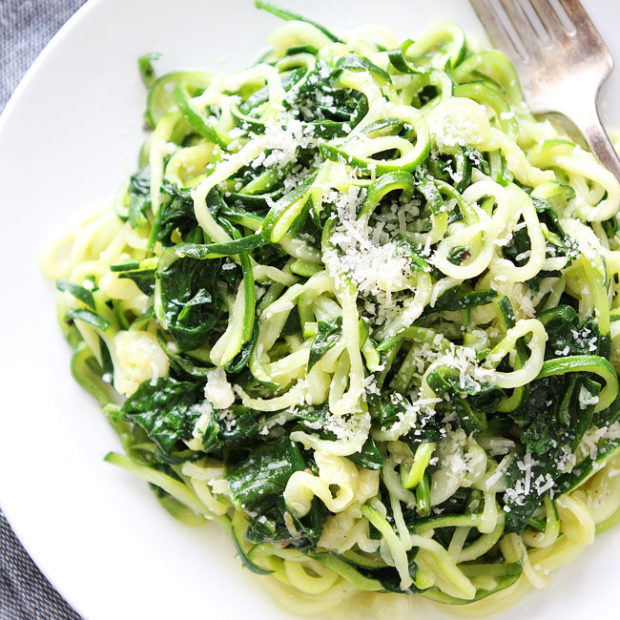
(25, 28)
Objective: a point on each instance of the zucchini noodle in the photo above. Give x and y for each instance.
(361, 308)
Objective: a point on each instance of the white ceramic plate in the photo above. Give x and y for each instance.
(70, 135)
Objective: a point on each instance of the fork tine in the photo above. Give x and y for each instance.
(492, 22)
(524, 28)
(577, 13)
(580, 18)
(550, 19)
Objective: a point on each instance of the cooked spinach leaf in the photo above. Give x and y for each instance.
(256, 479)
(167, 410)
(187, 300)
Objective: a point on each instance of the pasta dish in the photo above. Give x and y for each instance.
(359, 307)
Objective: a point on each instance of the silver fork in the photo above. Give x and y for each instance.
(561, 65)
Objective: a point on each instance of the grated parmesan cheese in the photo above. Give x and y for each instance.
(283, 142)
(217, 389)
(367, 256)
(586, 398)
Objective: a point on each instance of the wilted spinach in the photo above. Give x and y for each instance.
(188, 299)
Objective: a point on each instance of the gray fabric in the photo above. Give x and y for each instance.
(25, 28)
(25, 594)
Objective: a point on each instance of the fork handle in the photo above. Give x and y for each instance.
(589, 124)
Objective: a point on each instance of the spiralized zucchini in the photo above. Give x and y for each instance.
(361, 308)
